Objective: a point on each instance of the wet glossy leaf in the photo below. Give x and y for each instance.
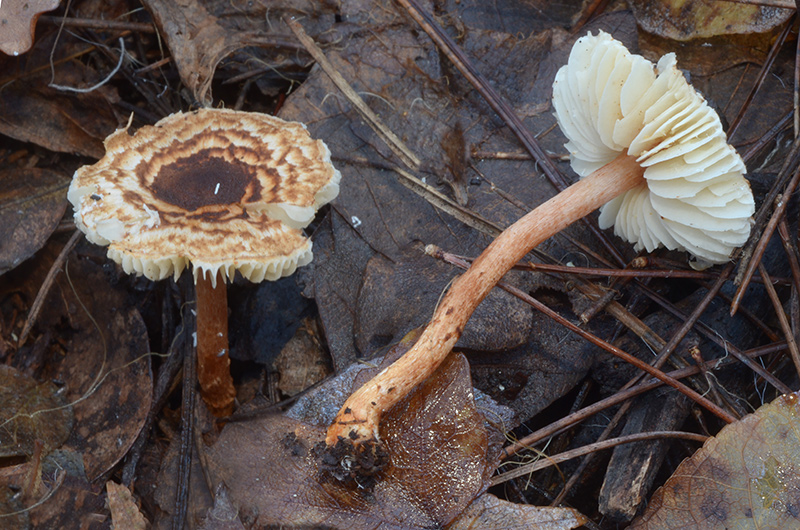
(17, 22)
(32, 201)
(748, 476)
(490, 512)
(441, 455)
(31, 412)
(691, 19)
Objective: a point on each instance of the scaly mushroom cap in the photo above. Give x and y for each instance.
(695, 196)
(221, 189)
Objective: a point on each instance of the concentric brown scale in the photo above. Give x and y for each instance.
(221, 189)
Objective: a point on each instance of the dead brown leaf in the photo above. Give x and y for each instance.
(748, 476)
(32, 202)
(125, 514)
(694, 19)
(201, 33)
(61, 122)
(95, 343)
(17, 22)
(441, 454)
(31, 412)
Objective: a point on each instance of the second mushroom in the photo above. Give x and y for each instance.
(652, 153)
(222, 190)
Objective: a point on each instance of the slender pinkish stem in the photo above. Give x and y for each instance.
(359, 418)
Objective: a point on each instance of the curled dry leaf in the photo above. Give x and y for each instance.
(748, 476)
(441, 454)
(31, 205)
(201, 33)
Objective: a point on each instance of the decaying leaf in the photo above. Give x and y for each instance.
(441, 453)
(17, 22)
(200, 33)
(95, 343)
(66, 123)
(32, 201)
(224, 515)
(71, 502)
(125, 514)
(107, 368)
(30, 412)
(693, 19)
(302, 361)
(748, 476)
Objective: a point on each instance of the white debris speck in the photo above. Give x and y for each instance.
(194, 339)
(222, 353)
(153, 219)
(356, 222)
(216, 190)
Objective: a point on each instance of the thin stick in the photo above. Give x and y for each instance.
(389, 138)
(186, 436)
(781, 314)
(360, 416)
(622, 396)
(548, 461)
(33, 314)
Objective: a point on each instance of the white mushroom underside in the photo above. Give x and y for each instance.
(695, 197)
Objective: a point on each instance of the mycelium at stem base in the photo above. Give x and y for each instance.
(213, 361)
(358, 420)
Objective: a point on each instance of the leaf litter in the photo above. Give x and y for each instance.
(368, 244)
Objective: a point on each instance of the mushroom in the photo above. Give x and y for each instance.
(223, 190)
(651, 150)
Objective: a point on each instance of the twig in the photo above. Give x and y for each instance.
(755, 259)
(768, 62)
(591, 448)
(389, 138)
(781, 314)
(33, 314)
(188, 396)
(109, 25)
(721, 342)
(622, 396)
(166, 375)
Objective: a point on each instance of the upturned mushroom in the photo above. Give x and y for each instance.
(653, 155)
(222, 190)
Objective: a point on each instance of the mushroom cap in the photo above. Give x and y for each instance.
(220, 189)
(695, 197)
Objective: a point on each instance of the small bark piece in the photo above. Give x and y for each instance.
(213, 362)
(359, 418)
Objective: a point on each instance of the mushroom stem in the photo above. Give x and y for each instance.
(359, 418)
(213, 362)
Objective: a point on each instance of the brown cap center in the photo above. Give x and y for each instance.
(202, 180)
